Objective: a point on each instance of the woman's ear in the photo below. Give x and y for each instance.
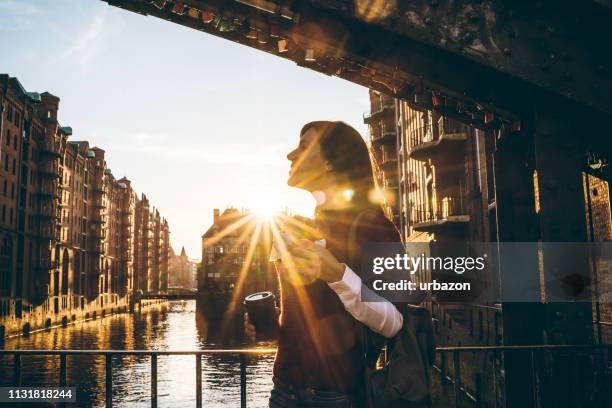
(328, 166)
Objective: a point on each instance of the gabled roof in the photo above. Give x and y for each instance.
(229, 216)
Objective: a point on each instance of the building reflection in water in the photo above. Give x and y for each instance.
(175, 327)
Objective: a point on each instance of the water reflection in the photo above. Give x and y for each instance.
(176, 327)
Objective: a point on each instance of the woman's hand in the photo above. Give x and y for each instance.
(316, 261)
(249, 329)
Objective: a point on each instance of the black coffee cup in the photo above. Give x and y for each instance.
(262, 314)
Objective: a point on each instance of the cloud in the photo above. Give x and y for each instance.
(84, 48)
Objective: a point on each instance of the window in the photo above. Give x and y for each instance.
(3, 213)
(14, 167)
(12, 191)
(11, 216)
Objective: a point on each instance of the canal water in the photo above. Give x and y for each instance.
(177, 326)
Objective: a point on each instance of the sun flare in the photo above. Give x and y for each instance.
(265, 208)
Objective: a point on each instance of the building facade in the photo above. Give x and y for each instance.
(229, 253)
(182, 272)
(70, 232)
(449, 190)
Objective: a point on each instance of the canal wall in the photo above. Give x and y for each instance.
(62, 310)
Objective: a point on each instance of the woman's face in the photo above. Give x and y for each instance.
(308, 166)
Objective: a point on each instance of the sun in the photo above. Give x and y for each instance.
(265, 208)
(264, 213)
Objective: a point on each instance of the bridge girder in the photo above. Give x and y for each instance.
(464, 59)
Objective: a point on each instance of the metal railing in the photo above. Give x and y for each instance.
(449, 126)
(449, 368)
(538, 372)
(420, 135)
(442, 208)
(153, 354)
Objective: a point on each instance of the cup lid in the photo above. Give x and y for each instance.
(255, 297)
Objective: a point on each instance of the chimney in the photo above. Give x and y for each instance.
(215, 216)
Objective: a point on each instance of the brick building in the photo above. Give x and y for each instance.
(225, 248)
(382, 141)
(447, 193)
(182, 271)
(71, 234)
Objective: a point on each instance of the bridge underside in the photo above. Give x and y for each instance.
(487, 63)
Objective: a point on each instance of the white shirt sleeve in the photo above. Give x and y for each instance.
(380, 316)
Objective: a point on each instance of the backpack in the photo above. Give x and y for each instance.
(404, 380)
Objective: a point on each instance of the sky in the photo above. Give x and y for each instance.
(194, 121)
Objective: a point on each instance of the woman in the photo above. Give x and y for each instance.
(319, 362)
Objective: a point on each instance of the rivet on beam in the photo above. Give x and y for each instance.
(179, 8)
(282, 46)
(309, 56)
(207, 16)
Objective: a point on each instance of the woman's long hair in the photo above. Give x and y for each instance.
(348, 155)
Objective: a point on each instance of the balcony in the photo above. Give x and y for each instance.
(391, 183)
(388, 163)
(50, 150)
(46, 213)
(450, 140)
(385, 107)
(49, 171)
(384, 135)
(445, 213)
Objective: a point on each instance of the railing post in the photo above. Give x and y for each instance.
(17, 370)
(153, 380)
(198, 380)
(536, 379)
(574, 380)
(457, 368)
(62, 379)
(243, 393)
(109, 380)
(443, 369)
(478, 392)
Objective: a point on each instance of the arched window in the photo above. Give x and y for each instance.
(65, 269)
(107, 276)
(76, 277)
